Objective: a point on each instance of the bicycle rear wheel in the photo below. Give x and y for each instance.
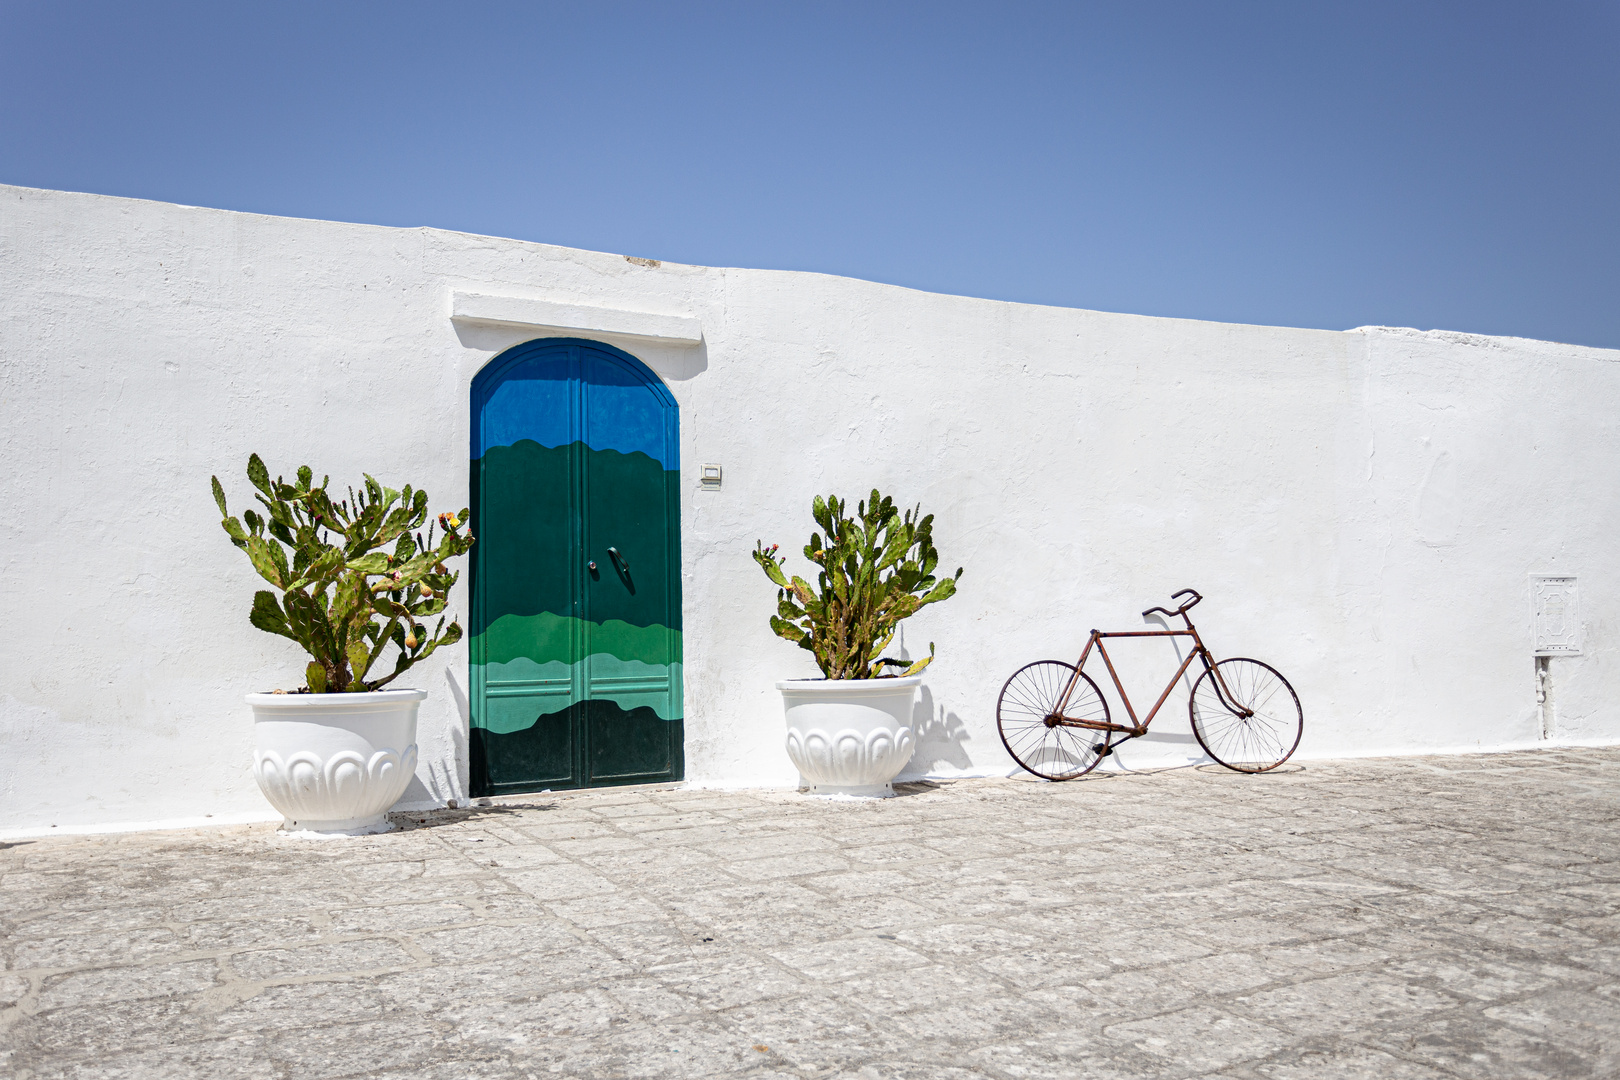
(1026, 715)
(1255, 743)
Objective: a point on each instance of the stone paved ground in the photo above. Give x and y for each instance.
(1433, 917)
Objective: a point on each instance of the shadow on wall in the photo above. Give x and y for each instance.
(447, 779)
(417, 794)
(444, 779)
(669, 361)
(941, 738)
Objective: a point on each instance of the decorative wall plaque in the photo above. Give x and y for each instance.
(1557, 615)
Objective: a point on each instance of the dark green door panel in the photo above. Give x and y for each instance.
(633, 746)
(526, 500)
(542, 753)
(628, 498)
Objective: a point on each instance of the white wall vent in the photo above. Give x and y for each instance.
(1557, 615)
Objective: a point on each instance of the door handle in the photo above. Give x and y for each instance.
(619, 559)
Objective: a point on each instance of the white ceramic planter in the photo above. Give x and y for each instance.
(850, 736)
(334, 763)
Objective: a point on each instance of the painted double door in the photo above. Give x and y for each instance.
(576, 609)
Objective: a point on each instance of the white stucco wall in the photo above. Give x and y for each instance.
(1361, 509)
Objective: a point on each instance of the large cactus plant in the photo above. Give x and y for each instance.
(351, 577)
(874, 569)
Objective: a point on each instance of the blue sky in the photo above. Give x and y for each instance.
(1451, 165)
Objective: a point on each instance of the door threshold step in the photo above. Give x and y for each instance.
(606, 789)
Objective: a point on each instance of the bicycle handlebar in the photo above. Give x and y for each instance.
(1182, 610)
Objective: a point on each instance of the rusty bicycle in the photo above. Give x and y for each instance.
(1055, 722)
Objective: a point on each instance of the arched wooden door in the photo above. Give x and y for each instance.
(576, 601)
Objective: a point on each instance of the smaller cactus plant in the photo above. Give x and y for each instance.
(328, 602)
(875, 569)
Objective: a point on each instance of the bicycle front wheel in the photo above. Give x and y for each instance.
(1028, 718)
(1249, 719)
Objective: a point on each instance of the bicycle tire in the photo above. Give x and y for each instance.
(1029, 699)
(1249, 744)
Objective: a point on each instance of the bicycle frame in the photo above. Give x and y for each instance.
(1137, 727)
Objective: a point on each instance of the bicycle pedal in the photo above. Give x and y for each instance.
(1105, 751)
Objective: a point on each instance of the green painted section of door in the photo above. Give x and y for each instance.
(575, 671)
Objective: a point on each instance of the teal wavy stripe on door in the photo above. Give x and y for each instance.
(629, 683)
(546, 637)
(551, 655)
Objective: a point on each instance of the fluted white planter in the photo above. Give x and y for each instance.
(334, 763)
(850, 736)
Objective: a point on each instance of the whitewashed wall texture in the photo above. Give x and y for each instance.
(1362, 509)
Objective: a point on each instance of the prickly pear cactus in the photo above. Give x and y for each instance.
(351, 577)
(875, 569)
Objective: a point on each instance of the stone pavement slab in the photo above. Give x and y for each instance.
(1409, 918)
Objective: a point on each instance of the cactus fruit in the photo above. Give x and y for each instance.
(320, 555)
(875, 569)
